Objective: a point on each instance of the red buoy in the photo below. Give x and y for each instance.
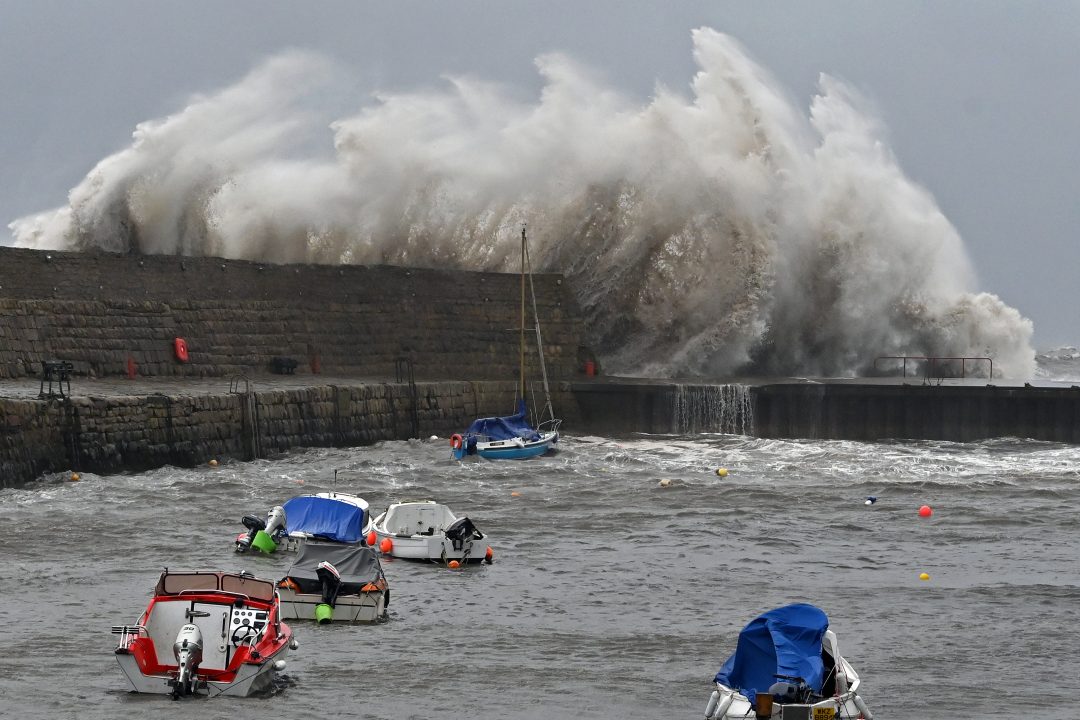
(371, 537)
(386, 545)
(925, 511)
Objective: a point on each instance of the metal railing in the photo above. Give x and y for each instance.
(931, 361)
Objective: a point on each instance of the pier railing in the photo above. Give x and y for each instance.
(931, 361)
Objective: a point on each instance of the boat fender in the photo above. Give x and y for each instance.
(456, 441)
(718, 705)
(180, 349)
(711, 707)
(861, 704)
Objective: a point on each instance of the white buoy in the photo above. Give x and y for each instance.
(870, 500)
(433, 437)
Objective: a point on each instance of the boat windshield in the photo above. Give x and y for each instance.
(176, 583)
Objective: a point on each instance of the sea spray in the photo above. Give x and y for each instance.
(705, 235)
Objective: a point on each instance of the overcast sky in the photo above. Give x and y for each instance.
(981, 99)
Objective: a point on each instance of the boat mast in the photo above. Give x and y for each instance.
(522, 343)
(549, 410)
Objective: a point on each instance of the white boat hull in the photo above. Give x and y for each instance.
(367, 607)
(417, 530)
(516, 448)
(251, 679)
(728, 704)
(436, 548)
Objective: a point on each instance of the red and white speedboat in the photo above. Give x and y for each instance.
(206, 633)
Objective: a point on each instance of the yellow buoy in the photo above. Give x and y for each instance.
(722, 472)
(665, 483)
(74, 477)
(924, 576)
(515, 493)
(212, 463)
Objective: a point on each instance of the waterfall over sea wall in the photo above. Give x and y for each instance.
(712, 409)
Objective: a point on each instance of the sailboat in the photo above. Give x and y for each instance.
(514, 436)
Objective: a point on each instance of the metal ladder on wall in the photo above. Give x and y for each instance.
(403, 372)
(249, 412)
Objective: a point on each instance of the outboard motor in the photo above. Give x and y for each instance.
(254, 525)
(331, 585)
(461, 530)
(790, 690)
(188, 651)
(263, 536)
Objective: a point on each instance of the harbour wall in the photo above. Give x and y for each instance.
(107, 313)
(834, 410)
(126, 433)
(411, 352)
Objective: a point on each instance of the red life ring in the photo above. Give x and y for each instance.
(180, 349)
(456, 441)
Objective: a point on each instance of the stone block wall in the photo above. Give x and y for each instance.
(108, 435)
(97, 310)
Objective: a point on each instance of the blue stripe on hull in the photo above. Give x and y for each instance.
(516, 453)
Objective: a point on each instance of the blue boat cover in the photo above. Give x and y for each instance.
(505, 428)
(784, 641)
(325, 517)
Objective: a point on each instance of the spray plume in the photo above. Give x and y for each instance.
(722, 233)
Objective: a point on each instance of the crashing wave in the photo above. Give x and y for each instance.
(724, 232)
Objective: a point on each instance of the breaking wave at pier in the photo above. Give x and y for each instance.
(704, 235)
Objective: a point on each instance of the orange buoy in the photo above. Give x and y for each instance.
(386, 545)
(456, 441)
(180, 349)
(515, 493)
(74, 477)
(371, 538)
(453, 564)
(489, 555)
(925, 511)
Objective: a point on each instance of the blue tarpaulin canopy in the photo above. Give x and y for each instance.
(505, 428)
(325, 517)
(784, 641)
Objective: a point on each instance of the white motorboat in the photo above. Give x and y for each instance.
(787, 665)
(206, 633)
(427, 530)
(332, 582)
(332, 516)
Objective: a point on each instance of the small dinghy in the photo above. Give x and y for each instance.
(787, 665)
(335, 582)
(333, 516)
(427, 530)
(206, 633)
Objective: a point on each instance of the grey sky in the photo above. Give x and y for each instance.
(981, 99)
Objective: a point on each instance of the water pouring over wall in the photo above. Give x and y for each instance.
(712, 409)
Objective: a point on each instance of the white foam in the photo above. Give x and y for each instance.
(721, 232)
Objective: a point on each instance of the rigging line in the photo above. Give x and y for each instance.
(539, 340)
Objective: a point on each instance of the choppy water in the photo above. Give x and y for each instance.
(610, 597)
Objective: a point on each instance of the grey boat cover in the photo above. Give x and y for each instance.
(357, 564)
